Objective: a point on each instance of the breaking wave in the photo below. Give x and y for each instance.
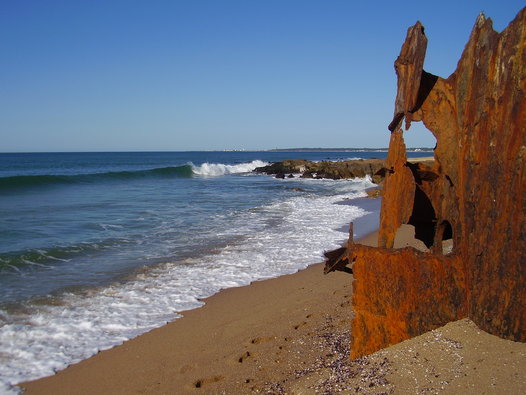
(183, 171)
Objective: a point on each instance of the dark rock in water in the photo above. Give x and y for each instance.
(280, 175)
(290, 175)
(473, 196)
(286, 166)
(327, 174)
(375, 168)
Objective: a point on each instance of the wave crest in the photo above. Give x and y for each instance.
(220, 169)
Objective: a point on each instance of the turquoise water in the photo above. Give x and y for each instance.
(96, 248)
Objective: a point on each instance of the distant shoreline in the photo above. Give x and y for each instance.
(230, 150)
(417, 149)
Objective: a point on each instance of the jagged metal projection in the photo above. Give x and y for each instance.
(473, 198)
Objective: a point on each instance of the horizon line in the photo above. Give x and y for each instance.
(300, 149)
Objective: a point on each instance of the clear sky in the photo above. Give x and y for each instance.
(212, 75)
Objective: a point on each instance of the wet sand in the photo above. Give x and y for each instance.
(291, 335)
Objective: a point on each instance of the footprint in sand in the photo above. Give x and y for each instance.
(244, 356)
(203, 382)
(258, 340)
(296, 327)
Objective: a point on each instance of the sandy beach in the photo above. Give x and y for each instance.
(291, 335)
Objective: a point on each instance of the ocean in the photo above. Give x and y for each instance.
(97, 248)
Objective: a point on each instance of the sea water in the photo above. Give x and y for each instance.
(97, 248)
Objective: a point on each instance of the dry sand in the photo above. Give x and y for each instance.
(421, 159)
(291, 335)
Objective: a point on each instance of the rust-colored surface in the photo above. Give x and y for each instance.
(399, 188)
(473, 195)
(409, 68)
(423, 294)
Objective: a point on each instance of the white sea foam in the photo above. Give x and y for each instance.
(49, 339)
(6, 389)
(220, 169)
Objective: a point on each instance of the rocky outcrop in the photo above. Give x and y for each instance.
(375, 168)
(474, 196)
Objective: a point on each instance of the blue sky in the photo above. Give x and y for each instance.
(213, 75)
